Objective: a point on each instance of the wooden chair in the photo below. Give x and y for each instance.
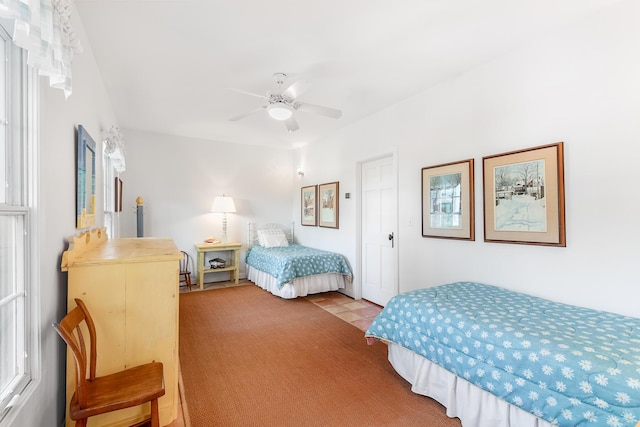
(185, 269)
(97, 395)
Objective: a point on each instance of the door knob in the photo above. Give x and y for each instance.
(391, 238)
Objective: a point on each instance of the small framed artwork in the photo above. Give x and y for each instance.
(118, 195)
(524, 196)
(85, 179)
(309, 203)
(448, 201)
(328, 205)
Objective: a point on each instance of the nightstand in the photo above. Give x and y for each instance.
(233, 267)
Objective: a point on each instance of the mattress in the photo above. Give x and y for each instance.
(286, 263)
(298, 287)
(463, 400)
(567, 365)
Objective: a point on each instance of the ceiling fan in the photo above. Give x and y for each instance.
(282, 103)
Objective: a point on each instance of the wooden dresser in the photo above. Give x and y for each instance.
(130, 287)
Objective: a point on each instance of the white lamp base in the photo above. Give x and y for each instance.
(224, 227)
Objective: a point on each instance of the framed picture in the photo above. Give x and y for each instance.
(524, 196)
(309, 205)
(328, 205)
(85, 179)
(118, 195)
(447, 201)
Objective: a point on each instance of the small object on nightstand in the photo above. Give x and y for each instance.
(212, 241)
(232, 265)
(217, 263)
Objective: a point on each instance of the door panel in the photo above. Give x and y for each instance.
(378, 221)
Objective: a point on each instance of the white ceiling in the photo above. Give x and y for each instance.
(168, 65)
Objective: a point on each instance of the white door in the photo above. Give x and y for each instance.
(379, 234)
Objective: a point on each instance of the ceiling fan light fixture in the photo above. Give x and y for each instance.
(280, 111)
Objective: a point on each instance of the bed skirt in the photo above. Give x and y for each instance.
(473, 406)
(300, 286)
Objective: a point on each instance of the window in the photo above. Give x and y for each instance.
(18, 335)
(113, 162)
(109, 196)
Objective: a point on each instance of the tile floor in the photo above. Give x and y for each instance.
(359, 313)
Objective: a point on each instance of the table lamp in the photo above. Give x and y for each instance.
(223, 204)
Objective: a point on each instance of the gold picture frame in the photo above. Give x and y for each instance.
(328, 204)
(309, 205)
(524, 196)
(448, 201)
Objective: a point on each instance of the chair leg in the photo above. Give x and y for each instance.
(186, 278)
(155, 417)
(81, 423)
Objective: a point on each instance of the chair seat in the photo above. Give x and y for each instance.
(120, 390)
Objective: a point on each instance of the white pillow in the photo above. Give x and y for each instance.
(272, 238)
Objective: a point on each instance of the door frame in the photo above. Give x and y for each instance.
(357, 285)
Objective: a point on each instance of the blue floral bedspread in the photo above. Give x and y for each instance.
(286, 263)
(571, 366)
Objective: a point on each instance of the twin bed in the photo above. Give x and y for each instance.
(495, 357)
(289, 270)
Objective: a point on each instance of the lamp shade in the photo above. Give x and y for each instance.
(223, 204)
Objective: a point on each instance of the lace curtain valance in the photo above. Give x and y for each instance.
(114, 147)
(43, 29)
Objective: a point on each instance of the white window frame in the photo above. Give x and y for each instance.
(21, 133)
(110, 216)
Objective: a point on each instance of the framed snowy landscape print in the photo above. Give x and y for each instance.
(524, 196)
(447, 201)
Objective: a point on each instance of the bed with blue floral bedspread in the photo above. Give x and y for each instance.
(294, 261)
(567, 365)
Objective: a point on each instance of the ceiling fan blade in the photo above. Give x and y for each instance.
(325, 111)
(296, 89)
(247, 93)
(291, 124)
(248, 113)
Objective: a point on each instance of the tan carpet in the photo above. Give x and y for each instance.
(249, 358)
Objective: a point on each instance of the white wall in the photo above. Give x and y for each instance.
(579, 85)
(89, 106)
(178, 179)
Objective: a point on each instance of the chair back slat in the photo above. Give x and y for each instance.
(82, 346)
(70, 329)
(185, 269)
(185, 262)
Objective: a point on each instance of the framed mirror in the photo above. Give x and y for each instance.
(86, 180)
